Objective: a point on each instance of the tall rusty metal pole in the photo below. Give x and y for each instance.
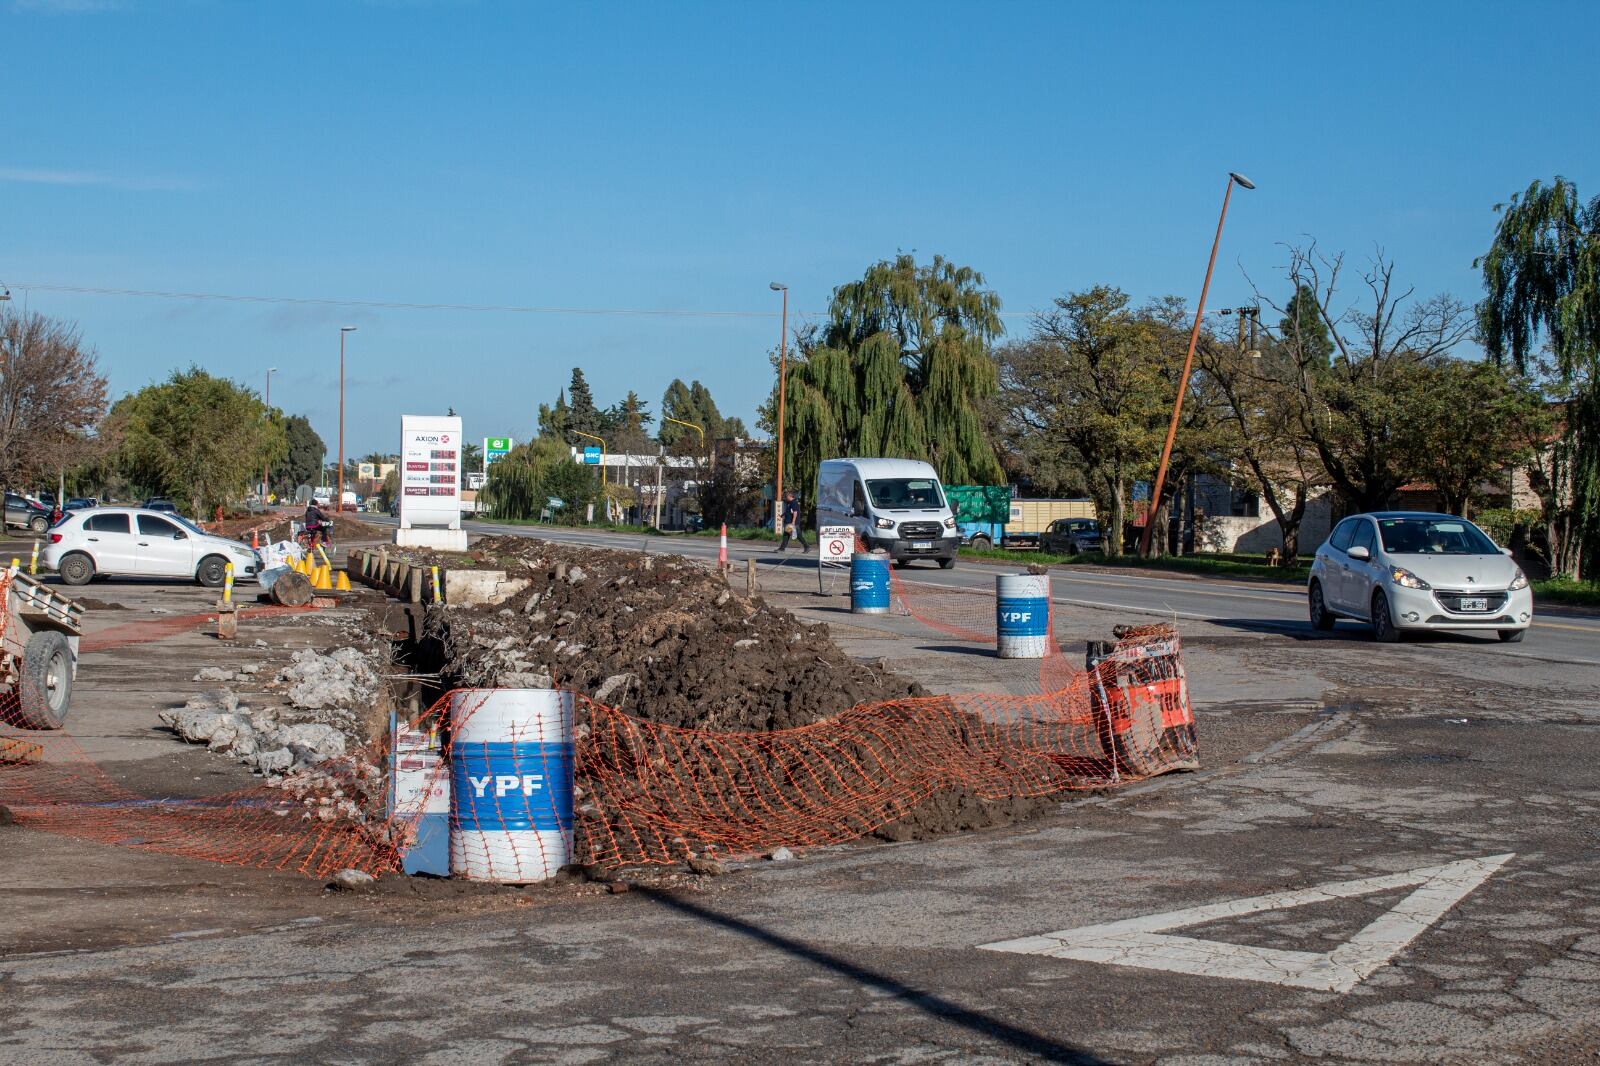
(783, 378)
(1188, 365)
(338, 501)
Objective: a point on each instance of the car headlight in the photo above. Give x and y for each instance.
(1520, 581)
(1407, 579)
(949, 523)
(883, 523)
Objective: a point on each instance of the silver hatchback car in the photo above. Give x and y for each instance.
(1411, 570)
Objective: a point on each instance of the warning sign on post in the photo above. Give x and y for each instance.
(836, 544)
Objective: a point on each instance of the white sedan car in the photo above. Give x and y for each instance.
(1412, 570)
(135, 542)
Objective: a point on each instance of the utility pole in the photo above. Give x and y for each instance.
(783, 381)
(266, 464)
(338, 501)
(1188, 365)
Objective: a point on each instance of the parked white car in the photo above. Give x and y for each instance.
(1412, 570)
(135, 542)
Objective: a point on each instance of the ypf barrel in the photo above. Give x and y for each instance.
(510, 784)
(869, 582)
(1022, 615)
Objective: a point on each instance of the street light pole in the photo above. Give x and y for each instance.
(267, 463)
(783, 381)
(1188, 364)
(338, 502)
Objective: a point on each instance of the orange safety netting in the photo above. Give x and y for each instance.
(649, 793)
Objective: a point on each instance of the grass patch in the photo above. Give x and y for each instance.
(1247, 567)
(648, 531)
(1566, 590)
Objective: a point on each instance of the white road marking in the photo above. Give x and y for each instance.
(1141, 941)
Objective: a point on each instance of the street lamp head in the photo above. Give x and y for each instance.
(1241, 179)
(347, 329)
(272, 370)
(776, 287)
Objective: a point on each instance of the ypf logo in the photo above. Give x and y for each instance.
(507, 784)
(1016, 616)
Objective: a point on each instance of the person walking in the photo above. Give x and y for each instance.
(791, 523)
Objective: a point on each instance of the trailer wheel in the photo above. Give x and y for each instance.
(45, 687)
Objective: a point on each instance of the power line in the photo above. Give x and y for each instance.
(400, 305)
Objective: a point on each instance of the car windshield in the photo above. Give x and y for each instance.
(1433, 536)
(906, 493)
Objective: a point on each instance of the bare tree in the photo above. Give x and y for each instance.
(1363, 409)
(52, 395)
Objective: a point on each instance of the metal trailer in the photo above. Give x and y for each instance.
(39, 630)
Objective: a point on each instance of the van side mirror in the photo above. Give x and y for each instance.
(1358, 552)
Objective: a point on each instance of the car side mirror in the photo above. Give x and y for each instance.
(1505, 551)
(1358, 552)
(180, 535)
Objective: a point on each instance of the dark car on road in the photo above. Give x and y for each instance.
(82, 503)
(23, 514)
(160, 503)
(1069, 536)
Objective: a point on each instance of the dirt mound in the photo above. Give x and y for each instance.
(660, 638)
(668, 642)
(278, 526)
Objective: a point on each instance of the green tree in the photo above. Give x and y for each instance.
(694, 404)
(302, 459)
(903, 368)
(582, 414)
(389, 489)
(1509, 420)
(628, 421)
(1365, 411)
(1087, 397)
(553, 418)
(1541, 277)
(197, 438)
(521, 485)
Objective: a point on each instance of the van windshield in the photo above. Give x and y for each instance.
(906, 493)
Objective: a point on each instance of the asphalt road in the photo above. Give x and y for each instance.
(1557, 637)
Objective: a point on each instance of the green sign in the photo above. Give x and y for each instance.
(496, 448)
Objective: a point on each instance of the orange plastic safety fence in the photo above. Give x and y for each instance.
(644, 792)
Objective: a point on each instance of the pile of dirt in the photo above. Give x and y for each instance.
(669, 642)
(277, 525)
(659, 637)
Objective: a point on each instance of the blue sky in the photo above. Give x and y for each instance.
(681, 156)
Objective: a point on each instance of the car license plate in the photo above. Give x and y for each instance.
(1474, 603)
(921, 545)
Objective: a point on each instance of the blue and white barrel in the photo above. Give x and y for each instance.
(510, 784)
(869, 582)
(1022, 616)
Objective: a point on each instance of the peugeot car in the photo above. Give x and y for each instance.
(1403, 571)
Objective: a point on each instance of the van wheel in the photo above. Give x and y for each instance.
(76, 569)
(945, 564)
(213, 571)
(982, 543)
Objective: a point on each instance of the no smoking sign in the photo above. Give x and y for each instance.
(836, 544)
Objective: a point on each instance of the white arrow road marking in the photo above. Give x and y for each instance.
(1142, 942)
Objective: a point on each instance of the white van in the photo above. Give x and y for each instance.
(897, 505)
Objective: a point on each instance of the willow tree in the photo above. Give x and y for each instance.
(902, 369)
(1542, 281)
